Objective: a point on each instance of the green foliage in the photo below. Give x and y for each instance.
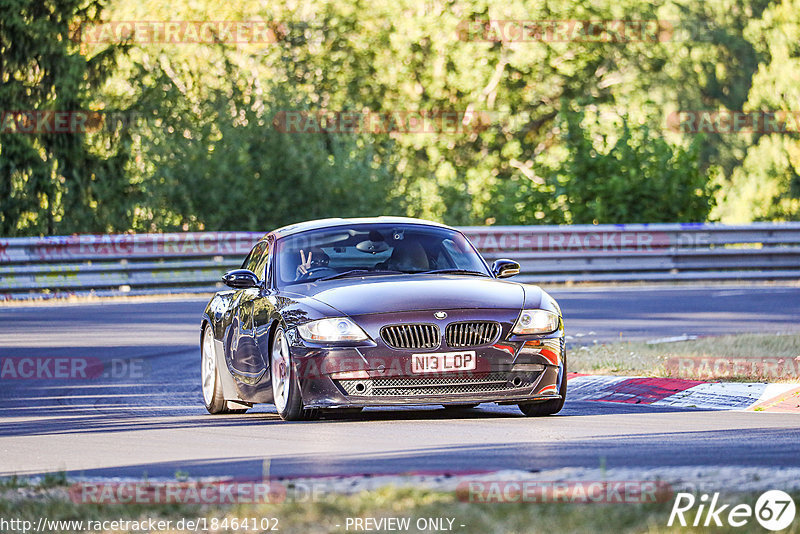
(215, 161)
(767, 185)
(566, 131)
(710, 65)
(54, 182)
(639, 178)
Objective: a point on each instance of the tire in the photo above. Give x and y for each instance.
(210, 383)
(539, 409)
(285, 387)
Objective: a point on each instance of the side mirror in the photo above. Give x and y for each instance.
(240, 279)
(505, 268)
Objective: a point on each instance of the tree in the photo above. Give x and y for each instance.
(636, 178)
(56, 182)
(214, 159)
(767, 186)
(207, 155)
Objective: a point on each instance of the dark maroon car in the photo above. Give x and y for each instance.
(348, 313)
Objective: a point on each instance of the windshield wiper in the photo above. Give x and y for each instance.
(353, 272)
(453, 271)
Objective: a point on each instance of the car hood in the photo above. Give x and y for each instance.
(358, 296)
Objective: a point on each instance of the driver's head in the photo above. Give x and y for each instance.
(318, 257)
(409, 256)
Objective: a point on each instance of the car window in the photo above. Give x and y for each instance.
(262, 266)
(255, 257)
(453, 256)
(316, 254)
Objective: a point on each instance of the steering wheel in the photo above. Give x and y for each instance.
(312, 271)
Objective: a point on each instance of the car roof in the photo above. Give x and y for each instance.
(331, 223)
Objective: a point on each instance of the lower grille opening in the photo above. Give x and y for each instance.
(399, 387)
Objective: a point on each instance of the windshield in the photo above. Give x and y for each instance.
(372, 249)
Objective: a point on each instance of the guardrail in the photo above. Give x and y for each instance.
(194, 262)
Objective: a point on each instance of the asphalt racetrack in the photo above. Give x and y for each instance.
(144, 414)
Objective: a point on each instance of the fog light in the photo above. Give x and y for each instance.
(528, 367)
(350, 375)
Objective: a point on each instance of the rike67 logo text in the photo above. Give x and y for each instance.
(774, 510)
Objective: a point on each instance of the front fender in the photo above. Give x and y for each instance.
(538, 298)
(218, 314)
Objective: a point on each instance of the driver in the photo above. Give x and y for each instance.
(315, 259)
(408, 256)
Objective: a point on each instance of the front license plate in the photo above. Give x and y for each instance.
(440, 362)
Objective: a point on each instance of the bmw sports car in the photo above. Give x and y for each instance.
(341, 314)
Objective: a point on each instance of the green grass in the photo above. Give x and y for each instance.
(54, 480)
(639, 358)
(13, 482)
(49, 480)
(322, 517)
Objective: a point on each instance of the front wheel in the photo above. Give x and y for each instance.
(538, 409)
(285, 387)
(213, 397)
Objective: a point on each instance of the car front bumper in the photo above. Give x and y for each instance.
(507, 372)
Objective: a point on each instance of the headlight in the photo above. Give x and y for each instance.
(536, 322)
(328, 330)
